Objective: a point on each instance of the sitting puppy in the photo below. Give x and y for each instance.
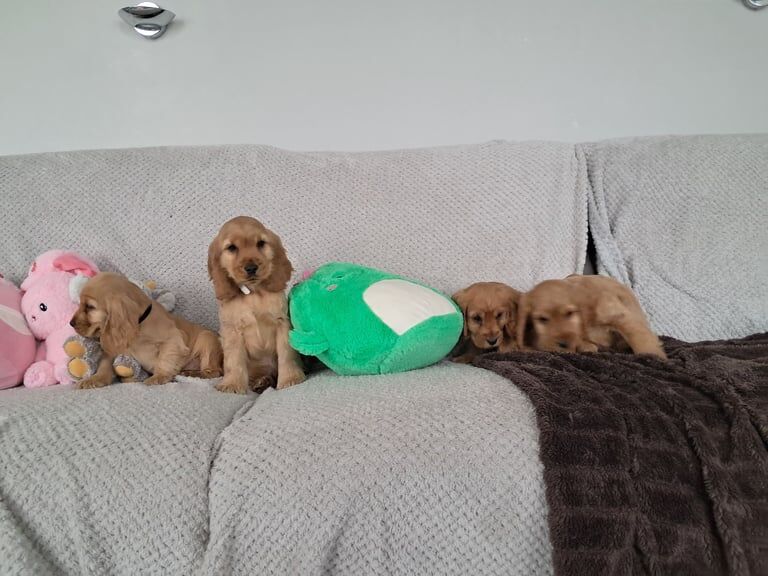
(123, 318)
(489, 310)
(250, 271)
(584, 314)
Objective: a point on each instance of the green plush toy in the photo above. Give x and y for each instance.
(359, 320)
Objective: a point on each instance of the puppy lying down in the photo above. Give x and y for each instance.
(584, 314)
(125, 321)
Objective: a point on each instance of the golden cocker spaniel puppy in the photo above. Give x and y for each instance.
(584, 314)
(126, 321)
(250, 272)
(490, 313)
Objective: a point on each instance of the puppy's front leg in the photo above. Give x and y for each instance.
(235, 363)
(289, 370)
(104, 375)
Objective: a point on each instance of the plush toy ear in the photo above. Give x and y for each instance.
(76, 286)
(70, 262)
(306, 274)
(307, 343)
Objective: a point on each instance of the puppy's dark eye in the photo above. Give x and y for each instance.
(476, 318)
(43, 307)
(88, 307)
(260, 244)
(499, 315)
(231, 248)
(542, 320)
(570, 313)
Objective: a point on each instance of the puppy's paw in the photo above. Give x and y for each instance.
(290, 377)
(653, 350)
(157, 379)
(587, 347)
(232, 386)
(261, 383)
(92, 382)
(507, 347)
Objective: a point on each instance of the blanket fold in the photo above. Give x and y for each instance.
(653, 467)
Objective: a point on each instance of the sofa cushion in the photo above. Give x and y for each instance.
(430, 470)
(513, 212)
(684, 222)
(108, 481)
(435, 471)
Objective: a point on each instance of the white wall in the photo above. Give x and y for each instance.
(368, 74)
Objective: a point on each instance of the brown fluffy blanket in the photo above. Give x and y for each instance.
(653, 467)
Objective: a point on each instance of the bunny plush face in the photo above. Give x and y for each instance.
(50, 290)
(47, 304)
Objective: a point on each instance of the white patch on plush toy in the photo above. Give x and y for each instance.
(401, 305)
(14, 320)
(76, 286)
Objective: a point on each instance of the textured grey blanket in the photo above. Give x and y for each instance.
(108, 481)
(433, 471)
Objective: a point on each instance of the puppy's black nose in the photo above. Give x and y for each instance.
(562, 343)
(492, 341)
(72, 322)
(251, 269)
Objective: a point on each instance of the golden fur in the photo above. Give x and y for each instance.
(490, 311)
(254, 326)
(584, 314)
(164, 344)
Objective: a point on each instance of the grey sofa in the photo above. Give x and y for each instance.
(431, 471)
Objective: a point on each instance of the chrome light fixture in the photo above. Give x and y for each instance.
(755, 4)
(147, 18)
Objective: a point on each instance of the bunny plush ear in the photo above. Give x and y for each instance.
(76, 286)
(69, 262)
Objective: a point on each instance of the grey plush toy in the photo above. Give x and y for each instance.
(85, 353)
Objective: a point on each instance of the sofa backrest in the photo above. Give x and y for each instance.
(684, 222)
(512, 212)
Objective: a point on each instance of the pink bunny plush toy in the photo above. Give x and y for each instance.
(51, 296)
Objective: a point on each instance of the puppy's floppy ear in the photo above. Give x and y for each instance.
(513, 301)
(281, 267)
(462, 301)
(121, 325)
(223, 285)
(523, 327)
